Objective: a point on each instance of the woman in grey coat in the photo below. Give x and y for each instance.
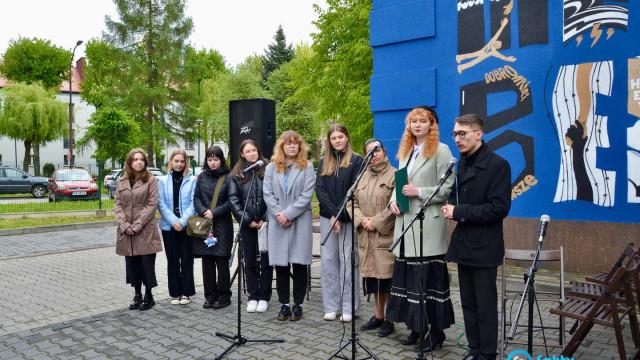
(288, 186)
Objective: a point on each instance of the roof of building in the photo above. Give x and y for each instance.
(77, 76)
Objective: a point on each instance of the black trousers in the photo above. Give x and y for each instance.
(258, 282)
(178, 247)
(479, 298)
(299, 283)
(141, 269)
(219, 290)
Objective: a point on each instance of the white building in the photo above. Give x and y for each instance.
(55, 152)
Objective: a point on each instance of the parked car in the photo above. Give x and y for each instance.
(73, 184)
(16, 181)
(109, 177)
(112, 185)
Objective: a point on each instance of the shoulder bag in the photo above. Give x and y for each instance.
(199, 226)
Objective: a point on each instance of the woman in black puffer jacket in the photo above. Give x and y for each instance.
(217, 293)
(241, 189)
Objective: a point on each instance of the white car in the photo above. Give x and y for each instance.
(110, 176)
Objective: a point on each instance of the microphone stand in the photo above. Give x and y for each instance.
(238, 339)
(528, 288)
(420, 215)
(354, 339)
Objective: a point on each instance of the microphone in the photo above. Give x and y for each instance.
(448, 170)
(256, 165)
(544, 223)
(376, 146)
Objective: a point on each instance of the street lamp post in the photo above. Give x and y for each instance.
(199, 122)
(71, 105)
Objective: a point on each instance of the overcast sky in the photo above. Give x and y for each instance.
(236, 28)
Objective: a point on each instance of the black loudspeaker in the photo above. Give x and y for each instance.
(252, 119)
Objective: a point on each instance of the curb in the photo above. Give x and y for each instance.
(43, 229)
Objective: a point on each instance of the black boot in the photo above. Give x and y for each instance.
(147, 303)
(135, 303)
(433, 341)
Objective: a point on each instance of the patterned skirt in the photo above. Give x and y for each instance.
(404, 301)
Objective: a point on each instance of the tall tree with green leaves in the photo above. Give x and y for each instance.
(32, 114)
(293, 110)
(338, 75)
(106, 73)
(113, 132)
(276, 54)
(244, 83)
(152, 35)
(36, 60)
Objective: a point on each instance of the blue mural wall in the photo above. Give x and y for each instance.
(557, 82)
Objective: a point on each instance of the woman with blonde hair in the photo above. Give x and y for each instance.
(337, 172)
(175, 206)
(426, 159)
(138, 240)
(287, 189)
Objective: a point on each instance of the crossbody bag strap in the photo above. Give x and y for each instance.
(216, 192)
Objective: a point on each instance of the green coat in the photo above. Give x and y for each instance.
(426, 174)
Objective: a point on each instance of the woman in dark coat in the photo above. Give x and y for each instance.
(217, 293)
(244, 189)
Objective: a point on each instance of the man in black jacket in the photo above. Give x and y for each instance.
(479, 201)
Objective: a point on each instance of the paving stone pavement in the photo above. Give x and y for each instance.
(63, 297)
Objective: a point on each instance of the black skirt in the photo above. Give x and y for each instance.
(404, 301)
(372, 285)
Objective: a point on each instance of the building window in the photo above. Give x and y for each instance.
(66, 161)
(188, 145)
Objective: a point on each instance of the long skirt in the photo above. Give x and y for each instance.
(404, 301)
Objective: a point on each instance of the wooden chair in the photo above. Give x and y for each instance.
(606, 308)
(558, 296)
(604, 277)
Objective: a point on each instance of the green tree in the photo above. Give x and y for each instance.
(293, 110)
(113, 132)
(152, 35)
(106, 72)
(276, 54)
(244, 83)
(338, 74)
(32, 114)
(35, 60)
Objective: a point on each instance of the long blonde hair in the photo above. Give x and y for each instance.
(430, 147)
(278, 152)
(184, 155)
(329, 163)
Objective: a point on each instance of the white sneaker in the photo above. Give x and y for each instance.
(251, 306)
(184, 300)
(175, 301)
(263, 306)
(330, 316)
(346, 318)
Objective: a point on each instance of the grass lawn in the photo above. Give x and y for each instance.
(55, 206)
(58, 220)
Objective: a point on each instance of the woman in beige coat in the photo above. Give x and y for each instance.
(374, 224)
(138, 239)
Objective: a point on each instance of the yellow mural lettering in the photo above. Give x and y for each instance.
(522, 186)
(507, 72)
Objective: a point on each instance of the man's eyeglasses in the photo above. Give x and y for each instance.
(460, 134)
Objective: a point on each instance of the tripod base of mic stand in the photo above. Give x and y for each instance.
(241, 340)
(351, 342)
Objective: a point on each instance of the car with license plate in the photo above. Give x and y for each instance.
(73, 184)
(16, 181)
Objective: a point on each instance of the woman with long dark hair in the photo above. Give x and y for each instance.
(217, 291)
(175, 206)
(138, 239)
(253, 217)
(337, 172)
(288, 188)
(425, 158)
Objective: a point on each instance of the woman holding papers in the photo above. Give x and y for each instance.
(425, 159)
